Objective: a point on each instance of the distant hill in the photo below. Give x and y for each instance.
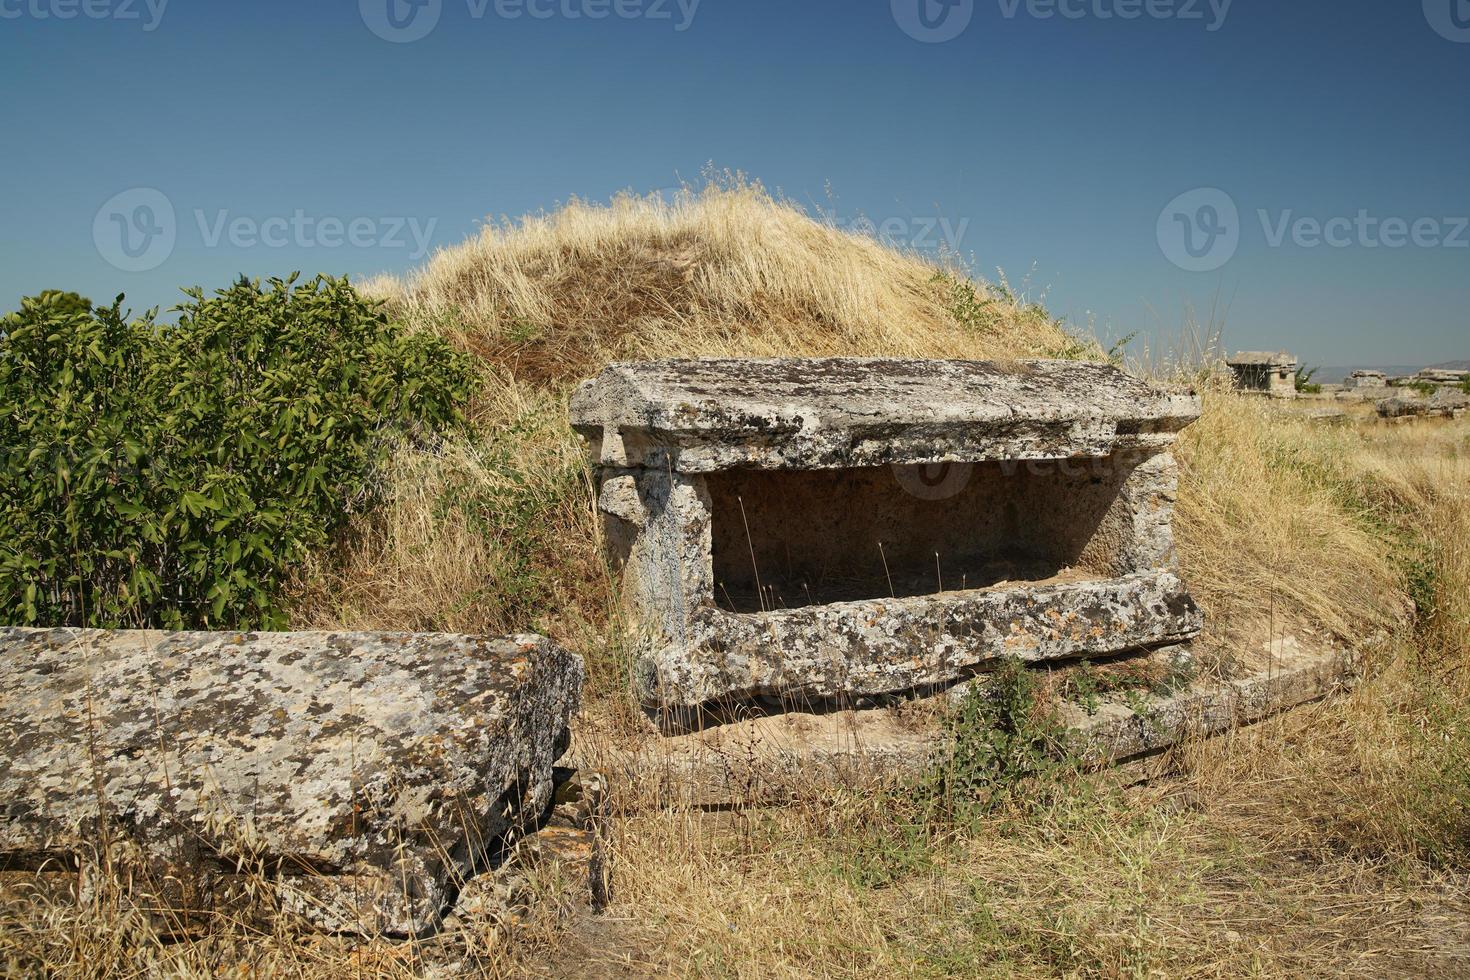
(1451, 366)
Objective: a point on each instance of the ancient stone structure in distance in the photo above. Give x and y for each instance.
(1266, 372)
(800, 530)
(1367, 379)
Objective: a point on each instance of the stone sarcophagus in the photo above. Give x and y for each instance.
(811, 530)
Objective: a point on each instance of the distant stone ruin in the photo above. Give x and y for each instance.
(1441, 377)
(797, 531)
(1367, 379)
(370, 778)
(1268, 373)
(1445, 403)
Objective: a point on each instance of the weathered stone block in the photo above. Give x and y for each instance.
(871, 648)
(812, 529)
(368, 774)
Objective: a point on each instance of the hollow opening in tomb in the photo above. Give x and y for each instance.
(787, 539)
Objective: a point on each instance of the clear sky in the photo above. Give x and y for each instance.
(1303, 160)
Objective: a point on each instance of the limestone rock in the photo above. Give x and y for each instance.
(699, 416)
(369, 774)
(884, 646)
(1444, 403)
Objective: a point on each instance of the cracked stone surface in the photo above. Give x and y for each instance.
(371, 773)
(878, 647)
(703, 415)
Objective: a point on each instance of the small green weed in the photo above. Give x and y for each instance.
(1003, 745)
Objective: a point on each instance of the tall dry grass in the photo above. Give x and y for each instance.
(1331, 841)
(727, 270)
(1279, 529)
(496, 530)
(1327, 841)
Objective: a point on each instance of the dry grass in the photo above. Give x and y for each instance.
(728, 270)
(1334, 840)
(1304, 846)
(1273, 509)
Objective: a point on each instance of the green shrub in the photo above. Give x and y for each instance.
(1003, 743)
(169, 475)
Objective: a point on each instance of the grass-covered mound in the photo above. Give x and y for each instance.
(496, 530)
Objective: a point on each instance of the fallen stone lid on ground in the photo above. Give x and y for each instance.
(369, 773)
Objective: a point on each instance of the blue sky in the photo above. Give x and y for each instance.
(1130, 166)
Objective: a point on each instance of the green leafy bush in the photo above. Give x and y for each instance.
(170, 475)
(1304, 383)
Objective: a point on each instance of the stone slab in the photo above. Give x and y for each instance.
(772, 759)
(887, 646)
(368, 773)
(705, 415)
(1260, 358)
